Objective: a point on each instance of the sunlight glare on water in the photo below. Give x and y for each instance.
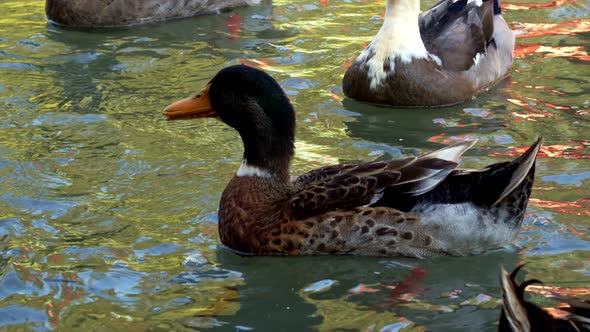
(108, 212)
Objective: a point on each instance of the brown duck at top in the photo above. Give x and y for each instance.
(441, 57)
(417, 206)
(116, 13)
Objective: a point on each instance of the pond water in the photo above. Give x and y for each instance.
(108, 212)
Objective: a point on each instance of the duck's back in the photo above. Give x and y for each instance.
(458, 31)
(471, 39)
(471, 49)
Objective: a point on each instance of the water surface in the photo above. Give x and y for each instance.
(108, 212)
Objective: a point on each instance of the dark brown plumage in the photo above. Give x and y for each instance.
(520, 315)
(417, 206)
(462, 48)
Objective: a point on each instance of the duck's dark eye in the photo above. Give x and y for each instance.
(198, 96)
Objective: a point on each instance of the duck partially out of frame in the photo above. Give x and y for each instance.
(118, 13)
(520, 315)
(444, 56)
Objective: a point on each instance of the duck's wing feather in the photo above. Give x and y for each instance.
(430, 169)
(514, 315)
(522, 166)
(458, 31)
(349, 186)
(326, 173)
(483, 187)
(499, 180)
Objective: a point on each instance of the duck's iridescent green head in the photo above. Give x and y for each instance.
(252, 102)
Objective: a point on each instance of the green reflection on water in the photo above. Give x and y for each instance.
(109, 211)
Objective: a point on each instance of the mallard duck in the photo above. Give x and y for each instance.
(416, 206)
(519, 315)
(444, 56)
(112, 13)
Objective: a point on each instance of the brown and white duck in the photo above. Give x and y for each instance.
(416, 206)
(444, 56)
(114, 13)
(520, 315)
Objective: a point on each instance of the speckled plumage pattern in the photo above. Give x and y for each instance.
(519, 315)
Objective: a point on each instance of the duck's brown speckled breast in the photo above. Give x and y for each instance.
(248, 211)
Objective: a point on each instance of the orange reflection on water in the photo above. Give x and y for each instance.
(544, 88)
(575, 52)
(335, 96)
(56, 307)
(552, 291)
(577, 151)
(527, 6)
(536, 113)
(558, 312)
(580, 207)
(528, 30)
(264, 64)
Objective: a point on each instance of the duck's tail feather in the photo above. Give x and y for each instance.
(524, 166)
(514, 314)
(507, 182)
(521, 315)
(491, 185)
(435, 178)
(497, 7)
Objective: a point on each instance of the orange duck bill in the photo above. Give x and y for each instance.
(197, 106)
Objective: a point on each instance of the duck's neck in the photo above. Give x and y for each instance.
(398, 38)
(400, 23)
(267, 152)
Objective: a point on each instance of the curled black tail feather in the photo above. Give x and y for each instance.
(497, 7)
(521, 315)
